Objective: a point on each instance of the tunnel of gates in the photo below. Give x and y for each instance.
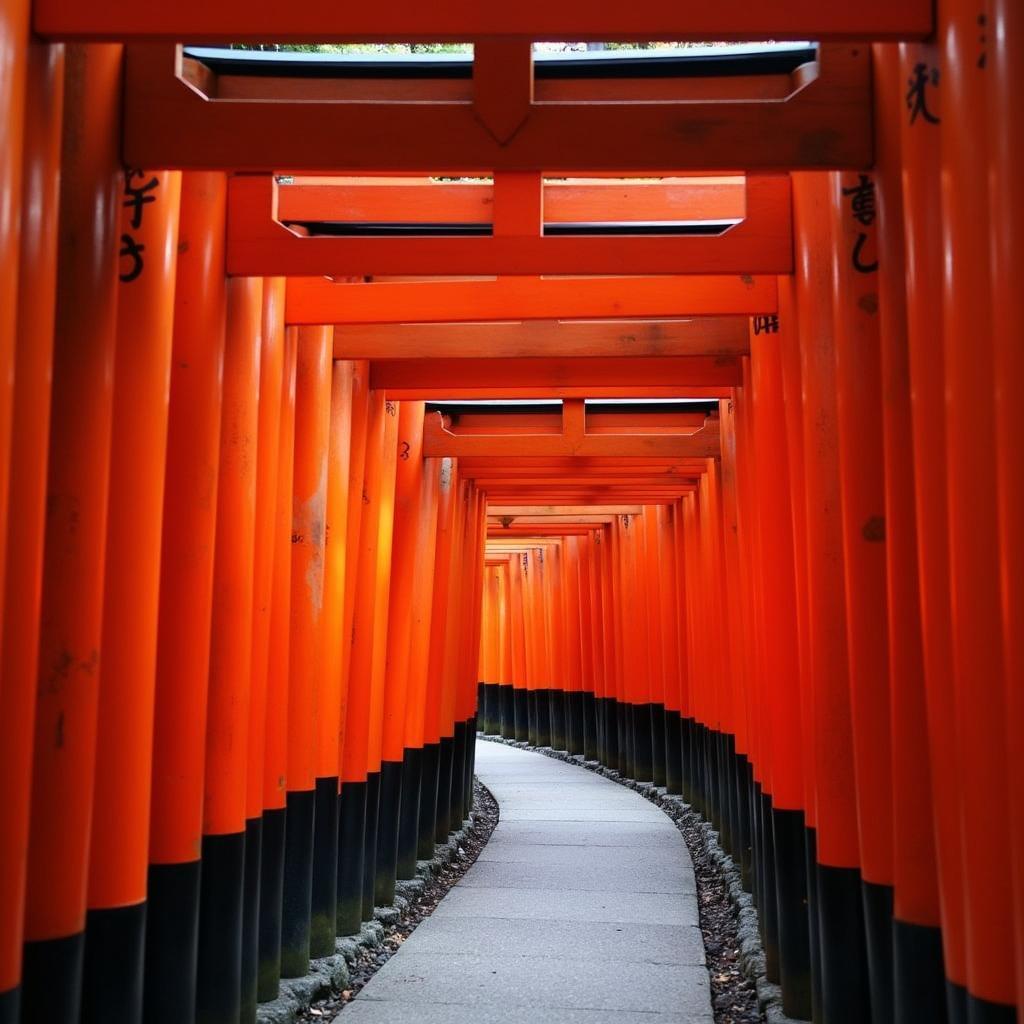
(742, 515)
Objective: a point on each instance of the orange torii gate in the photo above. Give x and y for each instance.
(246, 575)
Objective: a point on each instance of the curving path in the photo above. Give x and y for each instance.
(580, 910)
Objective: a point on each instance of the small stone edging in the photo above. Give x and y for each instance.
(331, 973)
(752, 958)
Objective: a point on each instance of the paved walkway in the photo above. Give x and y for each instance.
(580, 910)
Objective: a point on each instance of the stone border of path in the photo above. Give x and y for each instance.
(752, 958)
(331, 974)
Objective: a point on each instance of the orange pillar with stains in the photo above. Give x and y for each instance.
(275, 724)
(329, 677)
(85, 332)
(308, 534)
(219, 976)
(408, 487)
(414, 761)
(351, 773)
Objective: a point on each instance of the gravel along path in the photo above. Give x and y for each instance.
(370, 961)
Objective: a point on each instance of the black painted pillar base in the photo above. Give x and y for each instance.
(251, 920)
(409, 813)
(297, 898)
(469, 766)
(351, 846)
(521, 701)
(113, 965)
(877, 901)
(607, 736)
(813, 931)
(588, 713)
(458, 797)
(956, 1003)
(324, 898)
(531, 711)
(271, 896)
(561, 713)
(686, 726)
(543, 718)
(508, 711)
(370, 842)
(659, 768)
(51, 980)
(10, 1006)
(981, 1011)
(844, 970)
(575, 729)
(919, 977)
(643, 738)
(219, 963)
(172, 941)
(428, 801)
(673, 755)
(794, 938)
(744, 840)
(770, 893)
(387, 833)
(443, 813)
(732, 785)
(624, 725)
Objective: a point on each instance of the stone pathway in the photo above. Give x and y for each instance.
(581, 909)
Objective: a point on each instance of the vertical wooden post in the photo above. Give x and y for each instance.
(978, 665)
(414, 768)
(85, 334)
(352, 771)
(1006, 123)
(119, 848)
(397, 690)
(381, 807)
(855, 260)
(839, 913)
(186, 594)
(219, 973)
(267, 458)
(918, 982)
(25, 508)
(274, 772)
(780, 625)
(308, 533)
(329, 677)
(14, 61)
(920, 138)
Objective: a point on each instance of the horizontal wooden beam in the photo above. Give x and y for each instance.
(553, 378)
(539, 339)
(540, 511)
(439, 441)
(321, 301)
(175, 116)
(506, 522)
(232, 21)
(582, 496)
(261, 243)
(407, 199)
